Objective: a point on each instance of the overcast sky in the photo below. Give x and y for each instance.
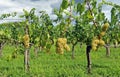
(7, 6)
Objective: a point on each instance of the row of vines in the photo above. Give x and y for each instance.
(76, 23)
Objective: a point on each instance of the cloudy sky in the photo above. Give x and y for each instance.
(7, 6)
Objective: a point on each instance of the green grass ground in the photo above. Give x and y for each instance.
(54, 65)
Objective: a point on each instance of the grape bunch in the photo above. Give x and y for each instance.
(97, 41)
(26, 40)
(104, 29)
(61, 44)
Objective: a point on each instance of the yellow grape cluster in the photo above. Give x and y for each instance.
(97, 41)
(61, 44)
(26, 40)
(104, 29)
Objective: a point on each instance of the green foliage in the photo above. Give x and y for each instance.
(64, 5)
(113, 16)
(75, 27)
(80, 8)
(8, 15)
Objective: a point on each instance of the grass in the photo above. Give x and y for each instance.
(54, 65)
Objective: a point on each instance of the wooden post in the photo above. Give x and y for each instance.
(26, 53)
(36, 51)
(88, 49)
(0, 49)
(73, 48)
(107, 50)
(26, 60)
(73, 54)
